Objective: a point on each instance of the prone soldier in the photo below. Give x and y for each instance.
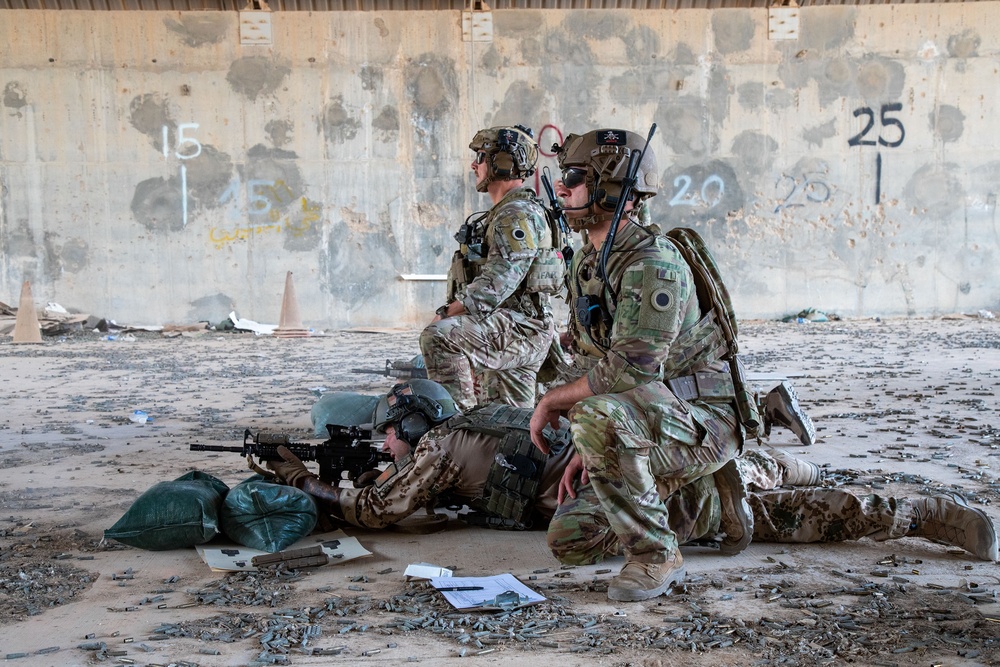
(486, 459)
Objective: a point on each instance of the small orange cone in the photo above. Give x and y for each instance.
(26, 327)
(290, 322)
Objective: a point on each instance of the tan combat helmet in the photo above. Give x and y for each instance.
(511, 151)
(602, 157)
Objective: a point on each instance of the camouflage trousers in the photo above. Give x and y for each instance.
(495, 360)
(642, 445)
(579, 533)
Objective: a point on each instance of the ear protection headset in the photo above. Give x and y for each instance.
(503, 159)
(412, 427)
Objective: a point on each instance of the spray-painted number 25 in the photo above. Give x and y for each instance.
(886, 122)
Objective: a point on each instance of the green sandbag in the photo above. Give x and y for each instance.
(342, 408)
(173, 515)
(262, 515)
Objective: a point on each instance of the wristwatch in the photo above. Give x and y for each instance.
(443, 310)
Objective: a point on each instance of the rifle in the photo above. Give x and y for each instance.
(401, 369)
(557, 218)
(347, 450)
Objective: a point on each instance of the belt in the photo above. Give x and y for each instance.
(707, 386)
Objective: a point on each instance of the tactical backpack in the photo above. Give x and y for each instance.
(714, 297)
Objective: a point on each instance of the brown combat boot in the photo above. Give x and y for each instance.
(781, 406)
(948, 519)
(798, 472)
(737, 518)
(642, 581)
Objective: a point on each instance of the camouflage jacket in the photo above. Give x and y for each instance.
(511, 264)
(445, 460)
(656, 302)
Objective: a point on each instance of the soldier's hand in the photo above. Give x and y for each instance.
(567, 485)
(290, 470)
(540, 418)
(367, 478)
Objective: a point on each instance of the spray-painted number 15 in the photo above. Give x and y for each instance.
(187, 148)
(887, 121)
(194, 149)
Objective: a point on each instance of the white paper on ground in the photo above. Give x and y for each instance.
(425, 571)
(490, 587)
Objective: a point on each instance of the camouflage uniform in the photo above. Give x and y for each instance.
(456, 462)
(504, 336)
(638, 440)
(580, 534)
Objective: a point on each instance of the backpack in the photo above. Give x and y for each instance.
(713, 296)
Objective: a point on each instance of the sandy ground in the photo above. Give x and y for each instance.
(904, 407)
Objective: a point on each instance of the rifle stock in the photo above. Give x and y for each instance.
(348, 449)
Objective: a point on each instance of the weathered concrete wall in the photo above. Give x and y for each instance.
(154, 170)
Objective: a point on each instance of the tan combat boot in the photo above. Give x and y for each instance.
(948, 519)
(781, 406)
(737, 518)
(642, 581)
(798, 472)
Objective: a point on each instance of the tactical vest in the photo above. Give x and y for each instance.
(547, 273)
(594, 318)
(513, 479)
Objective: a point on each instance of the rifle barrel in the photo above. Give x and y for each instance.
(215, 448)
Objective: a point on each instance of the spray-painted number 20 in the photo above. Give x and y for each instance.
(712, 190)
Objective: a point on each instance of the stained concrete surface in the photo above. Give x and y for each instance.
(853, 165)
(904, 407)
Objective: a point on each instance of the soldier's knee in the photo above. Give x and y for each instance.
(592, 421)
(598, 408)
(573, 550)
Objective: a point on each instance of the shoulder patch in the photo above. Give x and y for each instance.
(393, 471)
(518, 235)
(661, 299)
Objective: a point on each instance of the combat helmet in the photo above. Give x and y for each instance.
(414, 407)
(511, 151)
(602, 157)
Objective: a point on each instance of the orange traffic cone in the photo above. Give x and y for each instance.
(290, 322)
(26, 327)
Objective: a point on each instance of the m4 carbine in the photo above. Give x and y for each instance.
(349, 449)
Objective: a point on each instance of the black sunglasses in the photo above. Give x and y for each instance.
(480, 157)
(573, 176)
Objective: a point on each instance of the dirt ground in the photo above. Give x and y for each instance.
(902, 407)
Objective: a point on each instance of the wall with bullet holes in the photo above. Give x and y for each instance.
(162, 167)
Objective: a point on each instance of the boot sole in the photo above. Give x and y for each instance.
(633, 595)
(743, 513)
(797, 421)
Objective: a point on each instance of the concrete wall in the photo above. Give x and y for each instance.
(154, 170)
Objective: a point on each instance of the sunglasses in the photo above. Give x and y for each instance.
(480, 157)
(573, 176)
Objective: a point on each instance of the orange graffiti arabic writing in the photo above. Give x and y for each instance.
(295, 225)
